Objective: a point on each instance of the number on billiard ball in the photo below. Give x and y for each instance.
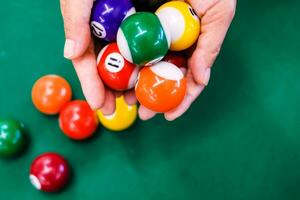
(107, 15)
(115, 71)
(183, 23)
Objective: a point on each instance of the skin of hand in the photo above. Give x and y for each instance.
(216, 17)
(79, 47)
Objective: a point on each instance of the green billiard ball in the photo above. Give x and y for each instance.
(142, 39)
(12, 138)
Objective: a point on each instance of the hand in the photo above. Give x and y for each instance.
(216, 17)
(79, 48)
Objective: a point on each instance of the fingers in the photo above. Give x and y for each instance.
(193, 91)
(186, 103)
(130, 97)
(109, 103)
(182, 108)
(91, 84)
(145, 113)
(76, 16)
(217, 16)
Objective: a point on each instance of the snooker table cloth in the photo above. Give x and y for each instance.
(239, 140)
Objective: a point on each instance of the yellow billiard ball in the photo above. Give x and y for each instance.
(123, 117)
(182, 22)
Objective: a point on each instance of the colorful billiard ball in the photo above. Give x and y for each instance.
(161, 87)
(77, 120)
(123, 117)
(50, 93)
(183, 23)
(49, 172)
(115, 71)
(176, 58)
(142, 39)
(12, 137)
(107, 16)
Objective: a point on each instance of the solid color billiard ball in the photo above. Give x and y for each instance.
(116, 72)
(142, 39)
(50, 93)
(183, 23)
(77, 120)
(176, 58)
(107, 15)
(12, 137)
(123, 117)
(49, 172)
(161, 87)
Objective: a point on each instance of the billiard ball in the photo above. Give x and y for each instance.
(77, 120)
(142, 39)
(115, 71)
(161, 87)
(123, 117)
(12, 137)
(49, 172)
(50, 93)
(176, 58)
(183, 23)
(107, 15)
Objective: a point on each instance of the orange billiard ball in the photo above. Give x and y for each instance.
(50, 93)
(161, 87)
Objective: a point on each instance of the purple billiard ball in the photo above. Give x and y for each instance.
(107, 16)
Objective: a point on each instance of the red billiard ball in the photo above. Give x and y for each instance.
(49, 172)
(177, 59)
(115, 71)
(77, 120)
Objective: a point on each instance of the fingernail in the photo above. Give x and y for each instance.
(206, 76)
(69, 49)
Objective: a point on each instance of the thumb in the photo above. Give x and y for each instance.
(76, 17)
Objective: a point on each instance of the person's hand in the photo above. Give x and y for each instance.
(216, 17)
(79, 48)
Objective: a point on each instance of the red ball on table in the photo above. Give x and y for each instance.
(77, 120)
(49, 172)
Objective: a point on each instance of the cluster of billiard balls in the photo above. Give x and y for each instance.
(138, 41)
(52, 95)
(138, 44)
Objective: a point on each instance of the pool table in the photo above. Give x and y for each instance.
(239, 141)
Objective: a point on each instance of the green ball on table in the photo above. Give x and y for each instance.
(12, 138)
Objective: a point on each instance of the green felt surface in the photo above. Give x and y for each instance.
(240, 140)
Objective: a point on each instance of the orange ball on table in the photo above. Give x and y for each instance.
(50, 93)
